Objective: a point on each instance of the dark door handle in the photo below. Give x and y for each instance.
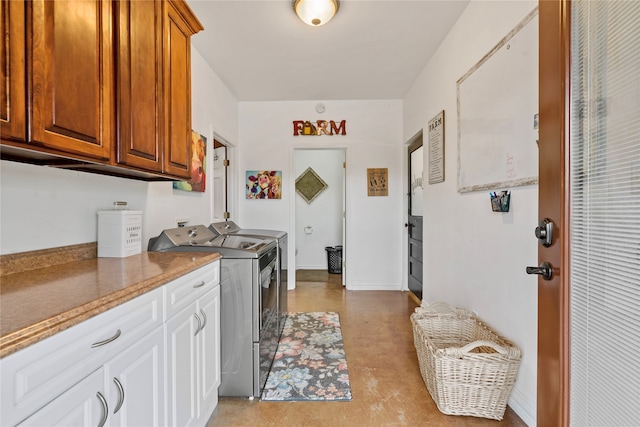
(545, 270)
(409, 225)
(544, 232)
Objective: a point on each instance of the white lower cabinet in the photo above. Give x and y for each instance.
(82, 405)
(192, 339)
(38, 374)
(127, 391)
(125, 367)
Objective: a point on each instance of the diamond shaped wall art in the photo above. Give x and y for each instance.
(309, 185)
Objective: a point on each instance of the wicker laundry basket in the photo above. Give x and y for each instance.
(438, 314)
(441, 309)
(468, 368)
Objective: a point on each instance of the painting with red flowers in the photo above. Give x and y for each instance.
(198, 161)
(264, 184)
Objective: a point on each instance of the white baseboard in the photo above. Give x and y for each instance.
(372, 286)
(522, 406)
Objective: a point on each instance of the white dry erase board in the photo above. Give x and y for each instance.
(497, 103)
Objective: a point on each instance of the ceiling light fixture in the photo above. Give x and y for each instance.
(316, 12)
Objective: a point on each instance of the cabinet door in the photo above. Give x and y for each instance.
(139, 77)
(181, 357)
(12, 71)
(179, 26)
(82, 405)
(72, 80)
(209, 352)
(135, 383)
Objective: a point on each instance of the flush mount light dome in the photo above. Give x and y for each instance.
(316, 12)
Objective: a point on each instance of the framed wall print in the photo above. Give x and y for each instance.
(436, 149)
(198, 179)
(264, 184)
(378, 182)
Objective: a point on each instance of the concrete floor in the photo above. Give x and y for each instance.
(383, 367)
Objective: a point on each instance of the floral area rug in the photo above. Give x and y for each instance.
(310, 363)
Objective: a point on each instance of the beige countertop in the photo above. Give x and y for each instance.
(36, 303)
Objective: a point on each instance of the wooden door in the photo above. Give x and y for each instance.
(140, 114)
(553, 295)
(414, 221)
(13, 107)
(592, 198)
(180, 25)
(71, 76)
(553, 356)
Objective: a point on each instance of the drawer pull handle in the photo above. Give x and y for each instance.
(199, 285)
(199, 324)
(204, 317)
(121, 398)
(105, 409)
(107, 341)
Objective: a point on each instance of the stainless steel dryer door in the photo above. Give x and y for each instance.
(268, 293)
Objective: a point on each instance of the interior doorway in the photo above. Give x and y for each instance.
(220, 180)
(319, 211)
(224, 202)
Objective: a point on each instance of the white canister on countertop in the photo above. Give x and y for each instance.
(119, 232)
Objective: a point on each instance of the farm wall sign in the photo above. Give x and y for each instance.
(319, 127)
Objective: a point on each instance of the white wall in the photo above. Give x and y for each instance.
(473, 257)
(374, 226)
(214, 111)
(319, 224)
(43, 207)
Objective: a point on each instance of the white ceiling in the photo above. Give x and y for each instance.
(372, 49)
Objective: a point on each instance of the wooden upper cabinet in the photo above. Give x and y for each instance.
(139, 77)
(71, 77)
(98, 85)
(12, 71)
(180, 25)
(154, 85)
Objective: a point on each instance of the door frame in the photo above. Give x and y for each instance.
(553, 392)
(292, 211)
(231, 170)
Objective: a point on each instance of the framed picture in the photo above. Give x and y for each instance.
(264, 184)
(378, 182)
(497, 99)
(436, 148)
(198, 179)
(309, 185)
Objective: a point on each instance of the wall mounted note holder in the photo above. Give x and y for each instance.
(500, 201)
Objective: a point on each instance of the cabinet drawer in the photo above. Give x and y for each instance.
(34, 376)
(188, 288)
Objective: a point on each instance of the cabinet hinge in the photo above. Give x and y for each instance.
(226, 163)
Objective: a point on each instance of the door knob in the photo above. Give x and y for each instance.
(408, 225)
(544, 232)
(545, 270)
